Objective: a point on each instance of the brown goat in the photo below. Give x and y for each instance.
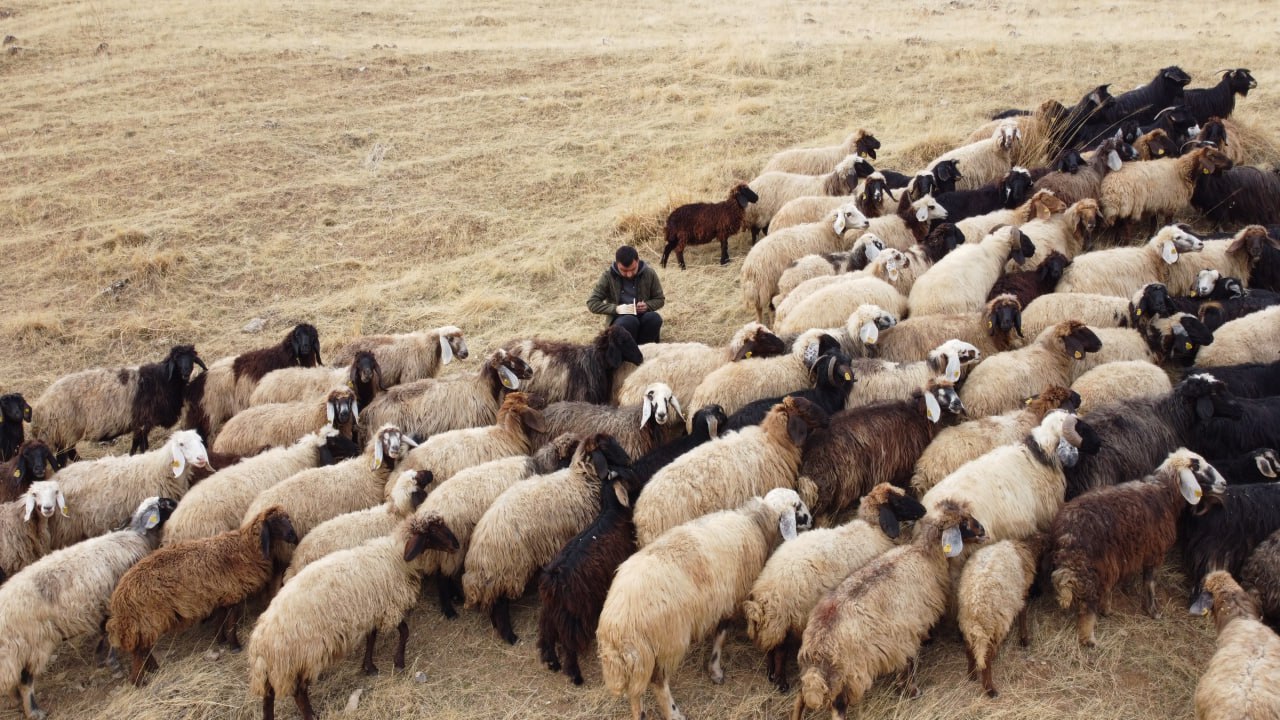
(700, 223)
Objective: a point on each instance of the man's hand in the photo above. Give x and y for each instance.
(641, 306)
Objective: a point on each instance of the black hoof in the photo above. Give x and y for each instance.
(783, 687)
(724, 261)
(577, 679)
(370, 670)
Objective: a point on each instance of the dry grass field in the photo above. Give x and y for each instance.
(175, 169)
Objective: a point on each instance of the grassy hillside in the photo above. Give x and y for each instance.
(174, 170)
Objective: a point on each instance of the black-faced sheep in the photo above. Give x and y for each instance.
(226, 388)
(287, 385)
(833, 376)
(1239, 196)
(889, 604)
(1155, 145)
(182, 584)
(1027, 285)
(280, 424)
(14, 410)
(1219, 100)
(1056, 357)
(519, 429)
(1008, 192)
(408, 357)
(1257, 465)
(819, 160)
(665, 597)
(568, 371)
(700, 223)
(734, 385)
(1222, 535)
(64, 595)
(333, 604)
(25, 467)
(1241, 678)
(1111, 533)
(994, 329)
(801, 571)
(104, 403)
(1157, 188)
(1251, 380)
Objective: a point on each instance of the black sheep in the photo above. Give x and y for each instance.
(707, 424)
(1257, 425)
(1009, 192)
(1256, 466)
(1219, 100)
(1250, 380)
(569, 371)
(870, 199)
(1027, 285)
(25, 467)
(1241, 195)
(833, 373)
(14, 410)
(1223, 532)
(574, 584)
(700, 223)
(161, 390)
(1142, 103)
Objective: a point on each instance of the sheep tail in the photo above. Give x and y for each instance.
(814, 688)
(258, 675)
(478, 588)
(624, 670)
(979, 646)
(1066, 586)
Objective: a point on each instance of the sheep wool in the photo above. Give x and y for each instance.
(1119, 380)
(409, 356)
(24, 526)
(515, 428)
(1244, 672)
(991, 594)
(683, 365)
(1253, 338)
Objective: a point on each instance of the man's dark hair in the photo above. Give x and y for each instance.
(626, 255)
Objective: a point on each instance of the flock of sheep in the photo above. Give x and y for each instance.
(973, 378)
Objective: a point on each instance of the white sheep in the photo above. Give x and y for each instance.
(1254, 338)
(776, 188)
(297, 384)
(961, 281)
(734, 385)
(1041, 206)
(678, 589)
(819, 160)
(1119, 380)
(830, 306)
(808, 267)
(280, 424)
(991, 594)
(1096, 311)
(1123, 271)
(1244, 672)
(910, 224)
(1157, 188)
(985, 161)
(516, 431)
(24, 533)
(638, 427)
(885, 381)
(683, 365)
(410, 356)
(995, 328)
(1066, 233)
(1056, 357)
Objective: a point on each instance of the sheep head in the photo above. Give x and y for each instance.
(1077, 339)
(521, 409)
(945, 175)
(1186, 335)
(427, 533)
(1205, 281)
(556, 454)
(924, 210)
(743, 195)
(947, 527)
(1213, 132)
(659, 401)
(1173, 240)
(1173, 76)
(1087, 214)
(889, 506)
(152, 513)
(1155, 144)
(30, 460)
(793, 514)
(873, 192)
(1210, 396)
(1044, 205)
(182, 361)
(510, 369)
(1151, 301)
(942, 239)
(1020, 246)
(14, 409)
(848, 217)
(1051, 270)
(1068, 161)
(1251, 240)
(756, 340)
(834, 370)
(410, 489)
(389, 443)
(888, 265)
(938, 395)
(46, 496)
(708, 421)
(1053, 397)
(865, 249)
(852, 169)
(1224, 597)
(1015, 187)
(947, 359)
(342, 407)
(274, 524)
(865, 144)
(303, 343)
(1210, 161)
(1194, 474)
(365, 371)
(617, 346)
(801, 417)
(187, 448)
(924, 183)
(811, 345)
(866, 323)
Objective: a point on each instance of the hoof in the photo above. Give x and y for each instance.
(724, 261)
(577, 679)
(783, 687)
(993, 693)
(450, 613)
(914, 694)
(371, 670)
(511, 639)
(553, 666)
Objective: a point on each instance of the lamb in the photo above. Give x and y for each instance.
(25, 467)
(699, 223)
(355, 528)
(727, 471)
(663, 599)
(639, 427)
(1122, 271)
(1137, 434)
(1055, 357)
(1239, 196)
(987, 160)
(961, 281)
(1250, 339)
(408, 357)
(177, 586)
(14, 410)
(877, 443)
(883, 380)
(765, 262)
(225, 389)
(286, 385)
(1106, 535)
(994, 329)
(683, 365)
(463, 499)
(425, 407)
(1087, 181)
(104, 403)
(218, 503)
(528, 524)
(887, 605)
(313, 496)
(1157, 187)
(1027, 285)
(821, 265)
(323, 614)
(567, 371)
(24, 534)
(102, 491)
(1096, 311)
(910, 224)
(775, 188)
(1008, 193)
(1016, 490)
(800, 572)
(574, 584)
(519, 429)
(1219, 100)
(1240, 679)
(1120, 380)
(64, 595)
(991, 594)
(736, 384)
(1143, 102)
(819, 160)
(279, 424)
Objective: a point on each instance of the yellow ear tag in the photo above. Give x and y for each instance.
(1173, 251)
(1028, 400)
(65, 513)
(1188, 346)
(862, 196)
(1160, 152)
(748, 353)
(153, 519)
(946, 547)
(1079, 354)
(847, 376)
(17, 473)
(1205, 171)
(1204, 611)
(351, 385)
(1138, 311)
(175, 464)
(1199, 492)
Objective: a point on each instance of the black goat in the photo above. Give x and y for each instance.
(1142, 103)
(1219, 100)
(1009, 192)
(1081, 121)
(14, 410)
(833, 373)
(1175, 121)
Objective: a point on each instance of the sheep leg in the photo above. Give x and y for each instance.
(840, 706)
(907, 678)
(27, 696)
(680, 257)
(141, 658)
(403, 630)
(717, 649)
(269, 704)
(665, 702)
(973, 663)
(367, 665)
(140, 443)
(724, 250)
(1149, 580)
(637, 707)
(1024, 632)
(229, 627)
(571, 667)
(500, 616)
(1104, 603)
(1085, 623)
(987, 683)
(304, 702)
(444, 587)
(775, 662)
(547, 637)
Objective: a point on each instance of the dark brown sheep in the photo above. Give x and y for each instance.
(14, 410)
(700, 223)
(1027, 285)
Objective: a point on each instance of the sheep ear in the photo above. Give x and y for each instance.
(675, 405)
(1189, 487)
(952, 542)
(414, 546)
(797, 430)
(1074, 348)
(871, 250)
(787, 524)
(646, 411)
(922, 214)
(1203, 604)
(620, 492)
(29, 506)
(869, 333)
(932, 410)
(1113, 161)
(153, 518)
(509, 379)
(329, 411)
(1265, 467)
(889, 523)
(953, 367)
(838, 225)
(179, 460)
(1204, 408)
(1168, 252)
(377, 453)
(264, 536)
(446, 350)
(355, 410)
(533, 420)
(62, 504)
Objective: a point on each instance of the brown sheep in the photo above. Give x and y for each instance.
(699, 223)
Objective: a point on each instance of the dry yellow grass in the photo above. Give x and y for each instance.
(173, 170)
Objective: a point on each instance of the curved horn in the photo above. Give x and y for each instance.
(1069, 431)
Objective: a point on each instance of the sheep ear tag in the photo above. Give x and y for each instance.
(953, 368)
(509, 379)
(952, 543)
(869, 333)
(931, 409)
(1203, 604)
(152, 520)
(1190, 488)
(446, 351)
(1168, 252)
(179, 462)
